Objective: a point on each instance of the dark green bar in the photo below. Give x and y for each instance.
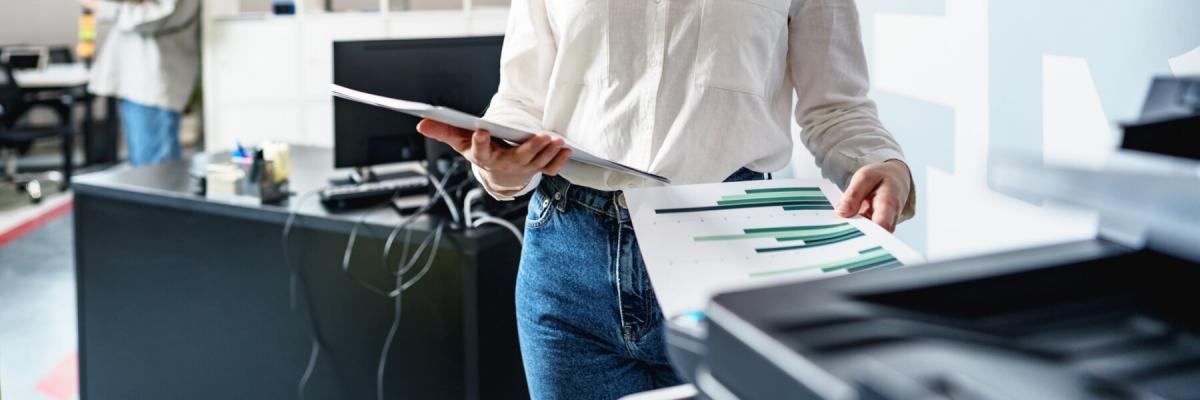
(793, 228)
(834, 239)
(870, 250)
(801, 200)
(811, 239)
(727, 207)
(807, 208)
(879, 265)
(779, 249)
(788, 189)
(809, 245)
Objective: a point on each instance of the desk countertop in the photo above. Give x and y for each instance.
(55, 75)
(173, 185)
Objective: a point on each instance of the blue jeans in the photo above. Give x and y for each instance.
(151, 133)
(588, 321)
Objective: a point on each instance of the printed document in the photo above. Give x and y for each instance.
(698, 240)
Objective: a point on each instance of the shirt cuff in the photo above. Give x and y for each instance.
(503, 193)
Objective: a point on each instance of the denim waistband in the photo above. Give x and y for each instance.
(565, 194)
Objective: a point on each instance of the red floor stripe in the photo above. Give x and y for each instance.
(36, 222)
(62, 383)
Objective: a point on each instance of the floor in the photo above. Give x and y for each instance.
(37, 313)
(38, 357)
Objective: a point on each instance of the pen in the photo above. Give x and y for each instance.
(240, 152)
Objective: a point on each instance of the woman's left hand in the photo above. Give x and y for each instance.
(878, 192)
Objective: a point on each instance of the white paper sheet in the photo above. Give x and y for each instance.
(698, 240)
(467, 121)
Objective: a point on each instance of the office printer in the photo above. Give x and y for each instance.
(1116, 317)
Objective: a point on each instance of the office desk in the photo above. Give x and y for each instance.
(181, 297)
(53, 76)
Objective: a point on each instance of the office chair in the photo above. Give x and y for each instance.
(16, 139)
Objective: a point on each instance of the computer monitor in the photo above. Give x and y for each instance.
(461, 73)
(25, 57)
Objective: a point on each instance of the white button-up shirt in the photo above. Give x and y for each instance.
(691, 89)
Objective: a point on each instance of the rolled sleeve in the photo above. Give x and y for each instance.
(526, 62)
(827, 64)
(503, 193)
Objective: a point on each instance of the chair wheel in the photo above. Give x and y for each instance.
(34, 189)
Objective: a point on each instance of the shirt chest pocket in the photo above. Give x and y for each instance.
(739, 44)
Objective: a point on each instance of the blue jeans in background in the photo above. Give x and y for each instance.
(151, 133)
(588, 321)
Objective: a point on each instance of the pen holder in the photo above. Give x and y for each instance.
(261, 179)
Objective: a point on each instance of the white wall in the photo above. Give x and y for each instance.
(962, 83)
(268, 78)
(39, 22)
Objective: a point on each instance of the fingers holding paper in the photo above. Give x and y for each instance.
(507, 166)
(878, 192)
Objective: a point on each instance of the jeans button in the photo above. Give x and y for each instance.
(621, 201)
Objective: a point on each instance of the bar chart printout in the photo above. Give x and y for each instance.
(698, 240)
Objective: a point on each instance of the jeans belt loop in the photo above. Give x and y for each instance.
(560, 197)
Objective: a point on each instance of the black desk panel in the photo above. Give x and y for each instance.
(185, 298)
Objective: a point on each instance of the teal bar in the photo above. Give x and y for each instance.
(875, 257)
(808, 208)
(798, 200)
(819, 235)
(794, 228)
(859, 261)
(809, 195)
(876, 248)
(780, 233)
(782, 271)
(813, 243)
(824, 239)
(729, 207)
(879, 265)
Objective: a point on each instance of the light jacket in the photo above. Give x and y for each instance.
(152, 53)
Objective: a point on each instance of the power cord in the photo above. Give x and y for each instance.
(403, 266)
(401, 286)
(296, 279)
(485, 219)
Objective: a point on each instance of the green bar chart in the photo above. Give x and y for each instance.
(792, 198)
(872, 258)
(698, 240)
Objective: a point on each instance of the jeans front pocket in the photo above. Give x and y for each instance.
(739, 43)
(539, 212)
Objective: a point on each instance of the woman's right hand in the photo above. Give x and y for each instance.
(506, 168)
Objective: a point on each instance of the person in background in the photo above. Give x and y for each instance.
(150, 62)
(697, 91)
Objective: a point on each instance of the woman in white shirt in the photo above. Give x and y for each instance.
(150, 62)
(695, 90)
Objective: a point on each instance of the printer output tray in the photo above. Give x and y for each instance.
(1079, 320)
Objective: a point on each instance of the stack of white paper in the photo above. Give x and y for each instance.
(698, 240)
(467, 121)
